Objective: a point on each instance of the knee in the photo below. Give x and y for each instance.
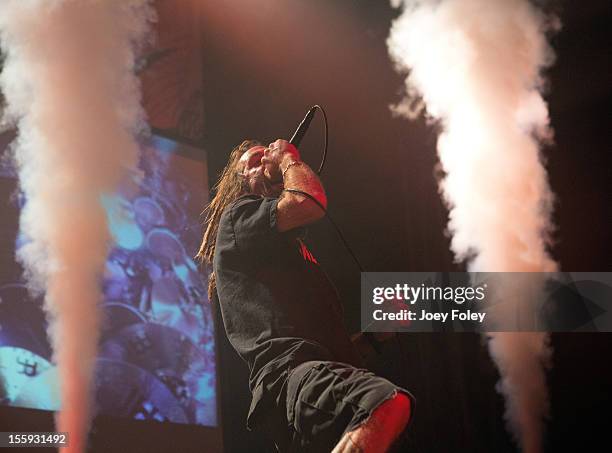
(398, 409)
(385, 425)
(403, 407)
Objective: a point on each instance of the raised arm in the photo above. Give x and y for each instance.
(282, 160)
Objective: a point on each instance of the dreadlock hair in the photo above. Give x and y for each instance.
(230, 187)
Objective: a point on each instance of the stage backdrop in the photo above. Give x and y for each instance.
(171, 71)
(157, 349)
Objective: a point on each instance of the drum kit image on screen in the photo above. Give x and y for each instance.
(156, 357)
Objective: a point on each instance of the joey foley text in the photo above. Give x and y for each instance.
(411, 295)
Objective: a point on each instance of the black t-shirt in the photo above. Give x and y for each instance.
(279, 308)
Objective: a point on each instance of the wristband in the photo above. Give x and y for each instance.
(291, 164)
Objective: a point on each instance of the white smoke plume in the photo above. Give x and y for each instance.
(70, 88)
(474, 67)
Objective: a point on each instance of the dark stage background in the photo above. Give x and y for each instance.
(266, 62)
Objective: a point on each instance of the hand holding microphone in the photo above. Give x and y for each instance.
(278, 157)
(282, 154)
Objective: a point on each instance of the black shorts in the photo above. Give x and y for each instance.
(323, 401)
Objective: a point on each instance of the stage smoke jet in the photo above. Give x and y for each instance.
(474, 67)
(70, 90)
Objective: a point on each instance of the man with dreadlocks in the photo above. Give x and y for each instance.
(283, 316)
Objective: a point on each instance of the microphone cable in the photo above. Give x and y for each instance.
(299, 133)
(368, 335)
(326, 137)
(337, 228)
(302, 128)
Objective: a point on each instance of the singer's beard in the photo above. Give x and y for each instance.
(274, 189)
(267, 188)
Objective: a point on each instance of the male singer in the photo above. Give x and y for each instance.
(282, 314)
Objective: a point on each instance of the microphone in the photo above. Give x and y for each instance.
(298, 135)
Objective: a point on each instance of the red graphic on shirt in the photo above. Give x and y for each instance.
(397, 306)
(306, 253)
